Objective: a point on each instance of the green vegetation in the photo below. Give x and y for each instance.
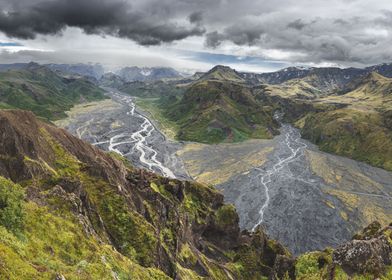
(217, 111)
(90, 215)
(222, 73)
(356, 124)
(156, 108)
(53, 245)
(218, 107)
(151, 89)
(318, 265)
(356, 134)
(226, 215)
(43, 92)
(11, 211)
(312, 266)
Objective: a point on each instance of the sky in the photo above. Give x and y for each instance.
(195, 35)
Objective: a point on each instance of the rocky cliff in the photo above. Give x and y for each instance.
(87, 214)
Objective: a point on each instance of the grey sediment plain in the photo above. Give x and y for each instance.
(308, 199)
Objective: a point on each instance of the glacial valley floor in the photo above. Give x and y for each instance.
(304, 198)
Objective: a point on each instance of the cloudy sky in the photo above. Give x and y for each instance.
(249, 35)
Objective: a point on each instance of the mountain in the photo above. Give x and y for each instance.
(39, 89)
(360, 126)
(95, 71)
(222, 73)
(13, 66)
(301, 82)
(277, 77)
(150, 89)
(71, 211)
(384, 69)
(218, 107)
(131, 74)
(111, 80)
(369, 85)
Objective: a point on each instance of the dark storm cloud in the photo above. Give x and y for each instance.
(196, 17)
(95, 17)
(214, 39)
(296, 24)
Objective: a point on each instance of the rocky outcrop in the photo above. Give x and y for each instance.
(369, 252)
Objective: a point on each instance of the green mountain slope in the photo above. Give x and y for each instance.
(42, 91)
(220, 107)
(362, 128)
(222, 73)
(150, 89)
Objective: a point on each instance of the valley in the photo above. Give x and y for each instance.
(195, 140)
(212, 176)
(118, 126)
(306, 199)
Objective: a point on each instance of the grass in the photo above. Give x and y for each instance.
(217, 111)
(54, 245)
(153, 107)
(357, 134)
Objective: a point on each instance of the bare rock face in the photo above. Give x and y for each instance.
(370, 254)
(284, 267)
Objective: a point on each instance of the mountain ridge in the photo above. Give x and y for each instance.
(41, 90)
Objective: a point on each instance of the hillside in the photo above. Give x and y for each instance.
(111, 80)
(213, 111)
(222, 73)
(314, 82)
(373, 84)
(49, 95)
(150, 89)
(361, 129)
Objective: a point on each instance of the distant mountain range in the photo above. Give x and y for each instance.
(323, 78)
(131, 74)
(89, 70)
(335, 75)
(97, 71)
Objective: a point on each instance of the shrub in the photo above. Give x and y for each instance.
(11, 205)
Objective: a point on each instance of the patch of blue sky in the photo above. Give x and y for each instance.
(216, 58)
(10, 44)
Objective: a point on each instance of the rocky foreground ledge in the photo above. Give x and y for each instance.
(71, 211)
